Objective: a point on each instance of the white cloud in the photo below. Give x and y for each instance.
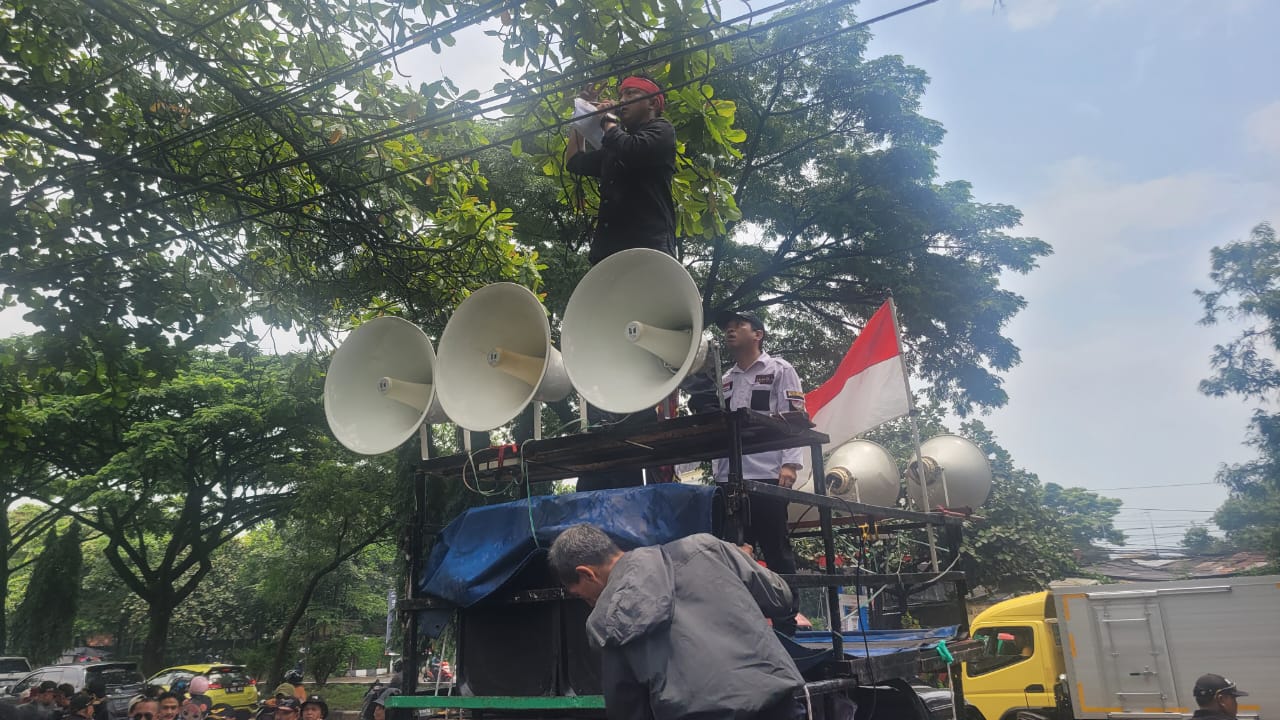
(1101, 224)
(1020, 14)
(1262, 128)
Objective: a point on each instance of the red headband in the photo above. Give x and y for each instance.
(647, 86)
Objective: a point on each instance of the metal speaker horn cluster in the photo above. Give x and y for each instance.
(496, 357)
(953, 471)
(859, 471)
(863, 471)
(632, 331)
(381, 386)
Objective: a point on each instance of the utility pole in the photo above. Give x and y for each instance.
(1155, 547)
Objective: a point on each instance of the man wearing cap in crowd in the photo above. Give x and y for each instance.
(1216, 697)
(288, 708)
(43, 698)
(81, 705)
(315, 708)
(766, 384)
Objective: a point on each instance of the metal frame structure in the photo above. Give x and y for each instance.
(680, 440)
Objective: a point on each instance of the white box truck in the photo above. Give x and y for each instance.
(1131, 650)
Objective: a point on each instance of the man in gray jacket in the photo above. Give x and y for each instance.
(681, 627)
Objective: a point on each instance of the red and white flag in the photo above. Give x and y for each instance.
(869, 387)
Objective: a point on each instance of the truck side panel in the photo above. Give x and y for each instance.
(1137, 649)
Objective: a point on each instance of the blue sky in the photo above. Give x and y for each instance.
(1135, 135)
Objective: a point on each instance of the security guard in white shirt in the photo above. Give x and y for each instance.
(766, 384)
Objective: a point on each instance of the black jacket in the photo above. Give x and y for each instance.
(635, 168)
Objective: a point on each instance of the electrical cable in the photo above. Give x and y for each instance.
(274, 101)
(455, 156)
(154, 51)
(457, 114)
(329, 77)
(309, 200)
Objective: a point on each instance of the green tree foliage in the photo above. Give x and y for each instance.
(170, 170)
(1246, 279)
(1087, 517)
(45, 619)
(807, 190)
(340, 510)
(1198, 541)
(171, 472)
(1027, 533)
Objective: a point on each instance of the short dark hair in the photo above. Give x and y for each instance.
(581, 544)
(67, 689)
(170, 695)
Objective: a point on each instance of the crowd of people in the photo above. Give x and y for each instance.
(51, 701)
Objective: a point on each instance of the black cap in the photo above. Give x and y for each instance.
(1209, 686)
(81, 700)
(289, 703)
(222, 711)
(724, 317)
(318, 701)
(382, 697)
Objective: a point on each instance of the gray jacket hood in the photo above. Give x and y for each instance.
(637, 601)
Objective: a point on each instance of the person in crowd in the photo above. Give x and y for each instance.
(43, 698)
(681, 627)
(80, 706)
(142, 707)
(315, 708)
(1216, 697)
(196, 693)
(168, 704)
(65, 691)
(288, 708)
(379, 710)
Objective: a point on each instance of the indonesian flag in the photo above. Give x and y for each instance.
(869, 387)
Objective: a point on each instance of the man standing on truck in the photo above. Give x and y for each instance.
(680, 627)
(635, 165)
(767, 384)
(1216, 697)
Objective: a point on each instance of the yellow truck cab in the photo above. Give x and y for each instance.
(1023, 659)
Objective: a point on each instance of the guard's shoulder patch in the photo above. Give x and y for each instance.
(795, 399)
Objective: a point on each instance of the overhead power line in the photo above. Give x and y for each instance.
(730, 67)
(559, 82)
(1149, 487)
(152, 52)
(1170, 510)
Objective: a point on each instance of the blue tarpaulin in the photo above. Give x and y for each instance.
(486, 546)
(809, 648)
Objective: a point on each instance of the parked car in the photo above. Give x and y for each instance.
(230, 684)
(12, 669)
(121, 680)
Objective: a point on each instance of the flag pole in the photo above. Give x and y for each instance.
(915, 432)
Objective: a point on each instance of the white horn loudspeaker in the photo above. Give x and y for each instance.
(380, 387)
(953, 471)
(633, 331)
(859, 471)
(496, 357)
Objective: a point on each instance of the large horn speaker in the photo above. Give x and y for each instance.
(955, 472)
(632, 331)
(380, 388)
(859, 471)
(496, 357)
